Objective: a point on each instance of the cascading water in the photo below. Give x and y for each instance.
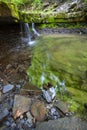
(34, 30)
(26, 33)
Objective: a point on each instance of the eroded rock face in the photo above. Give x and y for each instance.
(50, 11)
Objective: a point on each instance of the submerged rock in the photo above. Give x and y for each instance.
(21, 105)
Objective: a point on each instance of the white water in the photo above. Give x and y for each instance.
(26, 33)
(34, 30)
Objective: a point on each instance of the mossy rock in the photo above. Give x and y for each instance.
(8, 11)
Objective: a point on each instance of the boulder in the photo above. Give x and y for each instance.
(72, 123)
(21, 105)
(38, 110)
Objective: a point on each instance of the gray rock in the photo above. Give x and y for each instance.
(30, 119)
(3, 113)
(0, 94)
(54, 113)
(66, 123)
(2, 127)
(7, 88)
(21, 105)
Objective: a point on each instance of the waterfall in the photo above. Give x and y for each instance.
(34, 30)
(26, 33)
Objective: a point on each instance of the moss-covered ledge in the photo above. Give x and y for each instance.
(8, 11)
(52, 17)
(51, 13)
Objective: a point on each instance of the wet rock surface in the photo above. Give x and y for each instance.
(63, 30)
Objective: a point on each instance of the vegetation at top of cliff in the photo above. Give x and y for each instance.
(19, 2)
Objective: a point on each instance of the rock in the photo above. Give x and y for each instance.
(18, 86)
(54, 113)
(38, 110)
(8, 66)
(2, 127)
(0, 94)
(30, 118)
(49, 94)
(72, 123)
(29, 89)
(61, 106)
(7, 88)
(45, 4)
(3, 113)
(21, 105)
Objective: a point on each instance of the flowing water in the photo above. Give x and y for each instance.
(54, 58)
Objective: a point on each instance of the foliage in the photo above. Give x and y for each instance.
(37, 1)
(73, 105)
(85, 0)
(19, 2)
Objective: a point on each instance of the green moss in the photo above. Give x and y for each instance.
(80, 98)
(75, 99)
(14, 10)
(78, 95)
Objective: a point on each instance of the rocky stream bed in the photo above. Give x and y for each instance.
(23, 106)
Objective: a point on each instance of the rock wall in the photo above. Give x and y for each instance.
(8, 12)
(56, 13)
(49, 11)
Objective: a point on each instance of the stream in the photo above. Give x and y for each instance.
(55, 58)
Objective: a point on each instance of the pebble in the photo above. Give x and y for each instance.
(7, 88)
